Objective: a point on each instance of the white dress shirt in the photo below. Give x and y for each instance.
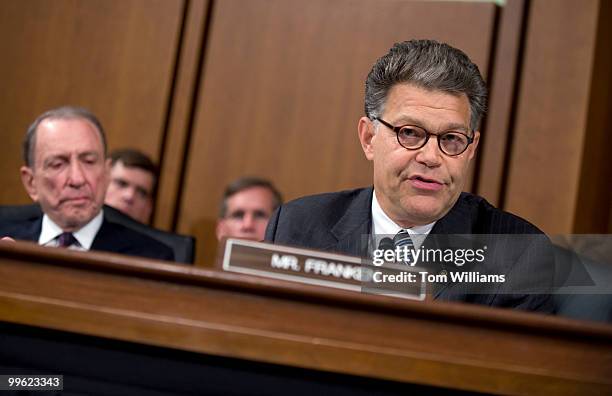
(383, 226)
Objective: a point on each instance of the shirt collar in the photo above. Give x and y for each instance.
(383, 225)
(85, 235)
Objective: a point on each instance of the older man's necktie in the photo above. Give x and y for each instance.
(66, 239)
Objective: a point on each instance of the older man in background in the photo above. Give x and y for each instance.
(66, 172)
(246, 208)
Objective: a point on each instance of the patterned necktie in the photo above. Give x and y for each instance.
(401, 239)
(66, 239)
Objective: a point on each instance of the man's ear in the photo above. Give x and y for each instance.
(474, 145)
(27, 178)
(365, 129)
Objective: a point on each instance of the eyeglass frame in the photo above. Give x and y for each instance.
(397, 130)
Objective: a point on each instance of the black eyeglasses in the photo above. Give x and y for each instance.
(413, 137)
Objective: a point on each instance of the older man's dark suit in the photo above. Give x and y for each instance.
(337, 222)
(111, 237)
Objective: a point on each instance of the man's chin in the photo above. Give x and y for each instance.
(75, 219)
(425, 211)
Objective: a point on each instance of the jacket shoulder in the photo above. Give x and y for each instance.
(487, 219)
(314, 216)
(325, 207)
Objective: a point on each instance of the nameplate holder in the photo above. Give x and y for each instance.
(314, 267)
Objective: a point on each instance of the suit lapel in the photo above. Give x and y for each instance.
(100, 241)
(35, 229)
(459, 220)
(108, 239)
(353, 229)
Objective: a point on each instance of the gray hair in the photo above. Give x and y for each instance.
(245, 183)
(430, 65)
(64, 112)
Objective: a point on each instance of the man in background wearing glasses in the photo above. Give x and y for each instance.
(423, 104)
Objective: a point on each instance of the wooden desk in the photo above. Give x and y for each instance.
(153, 303)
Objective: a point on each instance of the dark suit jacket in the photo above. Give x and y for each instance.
(337, 222)
(111, 237)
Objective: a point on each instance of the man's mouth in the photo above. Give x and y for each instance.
(75, 200)
(425, 183)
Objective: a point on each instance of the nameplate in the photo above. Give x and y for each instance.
(315, 268)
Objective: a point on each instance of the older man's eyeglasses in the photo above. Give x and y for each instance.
(413, 137)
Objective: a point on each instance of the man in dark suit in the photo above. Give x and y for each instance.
(423, 104)
(66, 172)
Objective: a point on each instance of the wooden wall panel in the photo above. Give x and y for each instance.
(283, 90)
(594, 196)
(115, 57)
(493, 153)
(552, 117)
(181, 113)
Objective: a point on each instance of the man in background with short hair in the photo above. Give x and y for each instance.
(133, 178)
(246, 208)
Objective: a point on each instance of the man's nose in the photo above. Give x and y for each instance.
(76, 176)
(430, 154)
(128, 194)
(248, 221)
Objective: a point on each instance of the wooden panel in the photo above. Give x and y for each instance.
(493, 144)
(457, 346)
(554, 99)
(114, 56)
(283, 91)
(181, 112)
(594, 197)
